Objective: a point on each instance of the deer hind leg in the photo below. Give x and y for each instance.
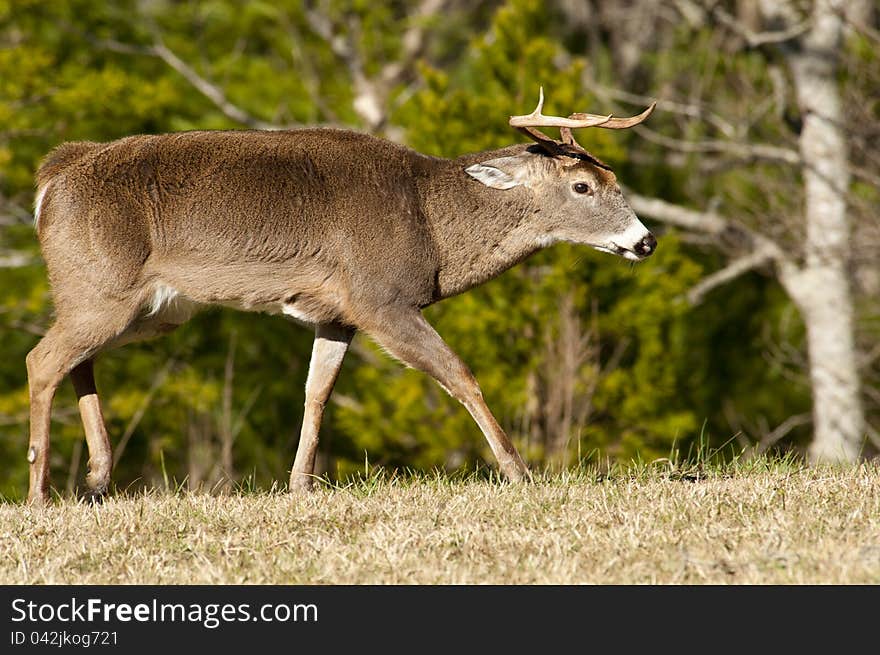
(100, 452)
(410, 338)
(328, 351)
(47, 364)
(69, 345)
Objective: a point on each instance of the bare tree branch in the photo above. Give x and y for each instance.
(758, 39)
(689, 109)
(763, 248)
(749, 152)
(13, 213)
(309, 75)
(372, 92)
(73, 469)
(873, 435)
(691, 12)
(859, 26)
(689, 219)
(414, 41)
(13, 259)
(744, 151)
(226, 437)
(781, 431)
(124, 48)
(211, 91)
(323, 27)
(709, 222)
(733, 270)
(26, 326)
(135, 420)
(370, 101)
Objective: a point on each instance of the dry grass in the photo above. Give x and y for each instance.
(770, 524)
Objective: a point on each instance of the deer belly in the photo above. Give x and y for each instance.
(301, 308)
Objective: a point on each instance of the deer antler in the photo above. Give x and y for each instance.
(528, 123)
(537, 119)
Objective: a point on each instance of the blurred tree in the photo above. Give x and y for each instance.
(797, 200)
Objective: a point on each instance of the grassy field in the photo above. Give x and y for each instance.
(764, 523)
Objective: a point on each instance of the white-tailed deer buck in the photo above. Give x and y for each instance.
(335, 229)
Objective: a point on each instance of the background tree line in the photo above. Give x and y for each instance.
(754, 327)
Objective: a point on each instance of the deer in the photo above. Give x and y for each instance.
(331, 228)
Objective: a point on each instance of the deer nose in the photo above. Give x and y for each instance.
(646, 246)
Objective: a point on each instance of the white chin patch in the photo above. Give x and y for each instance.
(614, 249)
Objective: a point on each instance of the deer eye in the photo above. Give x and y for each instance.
(581, 187)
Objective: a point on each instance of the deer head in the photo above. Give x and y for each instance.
(580, 199)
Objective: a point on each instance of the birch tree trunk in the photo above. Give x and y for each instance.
(821, 288)
(816, 276)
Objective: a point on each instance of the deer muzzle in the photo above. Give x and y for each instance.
(635, 243)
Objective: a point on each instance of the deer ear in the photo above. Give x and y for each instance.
(501, 173)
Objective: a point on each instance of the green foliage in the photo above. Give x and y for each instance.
(647, 373)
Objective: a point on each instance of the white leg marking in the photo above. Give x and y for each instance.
(325, 355)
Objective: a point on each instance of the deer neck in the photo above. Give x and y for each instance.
(479, 232)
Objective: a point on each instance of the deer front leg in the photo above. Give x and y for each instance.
(328, 351)
(410, 338)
